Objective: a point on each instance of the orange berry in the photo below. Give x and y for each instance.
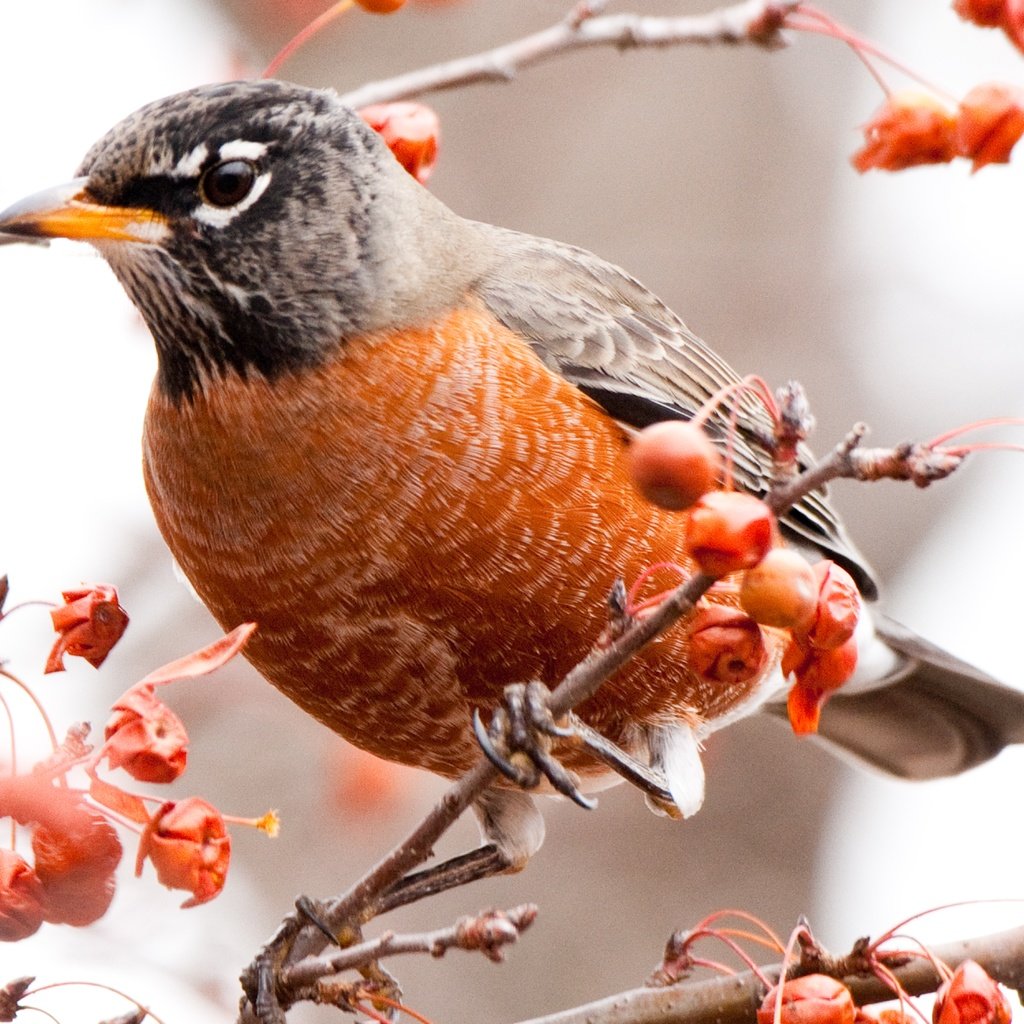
(673, 463)
(1013, 22)
(189, 846)
(818, 674)
(910, 128)
(88, 624)
(781, 590)
(381, 6)
(728, 531)
(988, 13)
(145, 737)
(989, 123)
(412, 132)
(822, 670)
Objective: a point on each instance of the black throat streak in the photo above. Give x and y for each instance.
(190, 361)
(204, 333)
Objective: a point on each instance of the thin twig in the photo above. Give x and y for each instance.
(757, 22)
(488, 933)
(922, 464)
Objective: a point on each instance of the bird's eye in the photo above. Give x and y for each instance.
(228, 183)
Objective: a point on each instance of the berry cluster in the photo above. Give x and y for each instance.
(734, 537)
(75, 847)
(820, 987)
(914, 127)
(967, 996)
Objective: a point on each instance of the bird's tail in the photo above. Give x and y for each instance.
(932, 716)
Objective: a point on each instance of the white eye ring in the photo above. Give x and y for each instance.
(213, 211)
(228, 183)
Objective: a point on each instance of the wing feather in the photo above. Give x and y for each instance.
(622, 346)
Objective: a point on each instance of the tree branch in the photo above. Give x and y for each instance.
(756, 22)
(732, 1000)
(297, 940)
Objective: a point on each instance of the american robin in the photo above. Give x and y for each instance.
(395, 439)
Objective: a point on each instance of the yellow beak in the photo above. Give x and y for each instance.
(67, 211)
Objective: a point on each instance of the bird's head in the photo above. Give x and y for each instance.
(255, 225)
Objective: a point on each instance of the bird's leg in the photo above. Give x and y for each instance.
(513, 831)
(646, 778)
(519, 737)
(469, 867)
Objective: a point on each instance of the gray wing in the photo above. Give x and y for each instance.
(943, 717)
(607, 334)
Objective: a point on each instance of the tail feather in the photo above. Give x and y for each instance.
(935, 716)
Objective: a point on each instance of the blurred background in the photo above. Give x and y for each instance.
(720, 178)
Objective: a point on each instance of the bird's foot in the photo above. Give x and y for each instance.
(649, 780)
(518, 741)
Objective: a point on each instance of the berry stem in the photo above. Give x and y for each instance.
(825, 24)
(304, 35)
(35, 700)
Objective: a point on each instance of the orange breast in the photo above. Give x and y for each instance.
(427, 518)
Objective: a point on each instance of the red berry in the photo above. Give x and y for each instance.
(838, 608)
(145, 737)
(77, 869)
(21, 898)
(812, 999)
(910, 128)
(818, 673)
(673, 463)
(989, 13)
(728, 531)
(971, 997)
(190, 848)
(989, 123)
(725, 646)
(412, 132)
(381, 6)
(1013, 22)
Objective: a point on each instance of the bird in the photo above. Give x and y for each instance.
(396, 439)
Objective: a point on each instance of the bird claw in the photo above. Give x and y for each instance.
(517, 740)
(311, 912)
